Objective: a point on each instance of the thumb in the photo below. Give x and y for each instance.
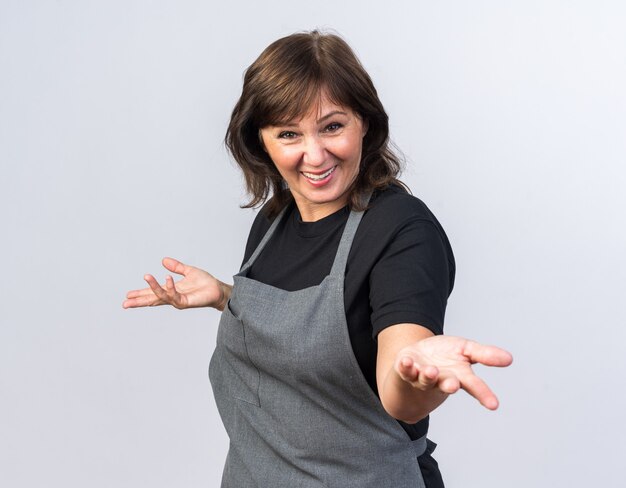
(174, 265)
(487, 355)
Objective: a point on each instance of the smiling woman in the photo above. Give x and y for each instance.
(302, 78)
(330, 354)
(318, 157)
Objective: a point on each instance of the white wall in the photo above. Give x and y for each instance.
(513, 118)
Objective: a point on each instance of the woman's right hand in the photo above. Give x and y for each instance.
(197, 288)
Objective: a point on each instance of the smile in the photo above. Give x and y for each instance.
(319, 177)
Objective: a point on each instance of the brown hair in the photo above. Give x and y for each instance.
(283, 84)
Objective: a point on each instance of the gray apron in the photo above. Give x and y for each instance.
(294, 402)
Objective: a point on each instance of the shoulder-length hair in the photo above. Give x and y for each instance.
(282, 85)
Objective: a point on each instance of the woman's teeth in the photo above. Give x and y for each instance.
(319, 177)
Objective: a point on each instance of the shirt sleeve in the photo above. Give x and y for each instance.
(412, 280)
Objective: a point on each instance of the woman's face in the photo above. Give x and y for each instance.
(318, 156)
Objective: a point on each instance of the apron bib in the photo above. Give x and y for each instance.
(292, 397)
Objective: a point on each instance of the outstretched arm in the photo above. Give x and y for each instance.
(197, 288)
(416, 371)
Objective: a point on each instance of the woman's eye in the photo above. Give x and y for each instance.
(287, 134)
(335, 126)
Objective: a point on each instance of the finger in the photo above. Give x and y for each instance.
(428, 377)
(171, 264)
(476, 387)
(170, 287)
(140, 293)
(487, 355)
(449, 384)
(142, 302)
(175, 266)
(406, 369)
(156, 288)
(422, 378)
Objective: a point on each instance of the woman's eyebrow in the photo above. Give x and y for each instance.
(294, 123)
(335, 112)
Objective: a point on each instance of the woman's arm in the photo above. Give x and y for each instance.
(197, 288)
(416, 370)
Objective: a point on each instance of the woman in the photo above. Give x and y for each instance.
(329, 353)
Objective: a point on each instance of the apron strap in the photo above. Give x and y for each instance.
(349, 231)
(341, 258)
(265, 239)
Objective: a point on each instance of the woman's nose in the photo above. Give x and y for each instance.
(314, 151)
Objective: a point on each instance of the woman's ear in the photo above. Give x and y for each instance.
(366, 126)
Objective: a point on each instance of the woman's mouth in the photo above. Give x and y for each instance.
(318, 177)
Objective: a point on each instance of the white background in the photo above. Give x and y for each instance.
(512, 116)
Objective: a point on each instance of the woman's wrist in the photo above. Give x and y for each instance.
(226, 290)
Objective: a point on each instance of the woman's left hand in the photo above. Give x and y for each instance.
(444, 362)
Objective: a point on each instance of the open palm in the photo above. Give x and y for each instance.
(197, 288)
(445, 362)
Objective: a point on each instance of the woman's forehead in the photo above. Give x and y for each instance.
(321, 106)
